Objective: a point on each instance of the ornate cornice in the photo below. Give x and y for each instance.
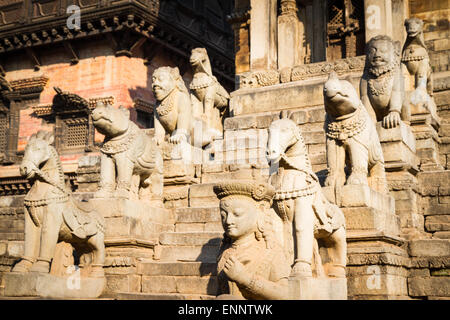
(29, 85)
(127, 25)
(301, 72)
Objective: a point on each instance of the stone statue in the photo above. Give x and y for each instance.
(173, 110)
(415, 56)
(208, 91)
(131, 162)
(416, 63)
(175, 116)
(351, 138)
(302, 206)
(51, 213)
(382, 87)
(251, 264)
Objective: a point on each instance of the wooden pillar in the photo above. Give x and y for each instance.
(319, 45)
(240, 22)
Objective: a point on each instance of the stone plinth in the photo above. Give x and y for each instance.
(49, 286)
(425, 126)
(132, 234)
(132, 219)
(376, 261)
(180, 163)
(399, 147)
(317, 288)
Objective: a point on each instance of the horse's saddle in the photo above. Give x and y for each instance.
(81, 220)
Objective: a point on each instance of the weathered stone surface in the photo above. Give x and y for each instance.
(177, 268)
(190, 238)
(429, 248)
(122, 283)
(437, 223)
(47, 285)
(174, 284)
(366, 218)
(429, 286)
(317, 289)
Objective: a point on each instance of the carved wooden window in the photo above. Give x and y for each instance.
(144, 113)
(75, 133)
(345, 29)
(3, 132)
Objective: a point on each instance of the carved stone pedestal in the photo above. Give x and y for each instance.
(318, 288)
(399, 147)
(34, 284)
(132, 234)
(402, 164)
(376, 260)
(180, 163)
(425, 126)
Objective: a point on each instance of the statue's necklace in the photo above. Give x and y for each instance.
(383, 81)
(166, 106)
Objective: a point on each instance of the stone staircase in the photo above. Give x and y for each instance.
(184, 264)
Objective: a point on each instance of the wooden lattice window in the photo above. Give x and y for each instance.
(3, 132)
(76, 132)
(345, 29)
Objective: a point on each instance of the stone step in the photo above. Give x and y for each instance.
(207, 285)
(191, 238)
(205, 253)
(202, 214)
(159, 296)
(198, 219)
(202, 195)
(196, 268)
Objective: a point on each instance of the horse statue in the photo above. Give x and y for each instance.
(303, 208)
(52, 214)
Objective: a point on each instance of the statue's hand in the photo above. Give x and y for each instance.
(177, 138)
(235, 270)
(392, 120)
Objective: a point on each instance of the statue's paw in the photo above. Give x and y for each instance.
(22, 266)
(122, 194)
(41, 267)
(357, 179)
(301, 269)
(336, 271)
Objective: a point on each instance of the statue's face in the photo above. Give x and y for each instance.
(381, 53)
(162, 84)
(110, 121)
(36, 152)
(281, 136)
(197, 56)
(413, 27)
(239, 216)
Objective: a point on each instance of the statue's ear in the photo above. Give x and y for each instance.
(126, 111)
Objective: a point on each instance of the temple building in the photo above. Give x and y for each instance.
(61, 59)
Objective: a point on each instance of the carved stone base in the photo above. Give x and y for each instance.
(366, 211)
(132, 220)
(49, 286)
(425, 126)
(399, 147)
(317, 288)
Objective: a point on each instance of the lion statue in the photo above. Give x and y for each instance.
(131, 163)
(175, 121)
(207, 92)
(415, 56)
(416, 64)
(351, 138)
(382, 87)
